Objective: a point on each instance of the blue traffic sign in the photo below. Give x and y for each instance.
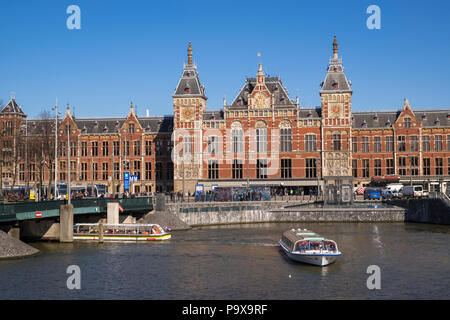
(126, 181)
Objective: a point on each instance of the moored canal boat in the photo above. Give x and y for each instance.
(120, 232)
(308, 247)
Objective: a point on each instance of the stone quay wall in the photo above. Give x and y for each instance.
(434, 211)
(203, 214)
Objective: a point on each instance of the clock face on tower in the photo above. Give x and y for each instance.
(187, 114)
(336, 110)
(261, 101)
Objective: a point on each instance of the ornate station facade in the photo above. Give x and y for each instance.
(263, 138)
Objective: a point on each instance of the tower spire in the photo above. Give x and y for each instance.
(335, 49)
(190, 53)
(260, 74)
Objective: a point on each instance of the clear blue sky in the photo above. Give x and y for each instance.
(134, 51)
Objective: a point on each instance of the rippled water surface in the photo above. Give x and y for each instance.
(241, 262)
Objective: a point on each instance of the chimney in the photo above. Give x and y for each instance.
(147, 113)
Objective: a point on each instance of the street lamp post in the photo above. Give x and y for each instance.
(56, 147)
(410, 170)
(68, 166)
(113, 170)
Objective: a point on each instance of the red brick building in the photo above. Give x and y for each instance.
(262, 138)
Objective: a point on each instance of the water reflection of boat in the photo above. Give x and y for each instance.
(120, 232)
(308, 247)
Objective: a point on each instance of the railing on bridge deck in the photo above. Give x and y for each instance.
(46, 209)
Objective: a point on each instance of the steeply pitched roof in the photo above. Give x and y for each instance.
(310, 112)
(273, 84)
(162, 124)
(189, 84)
(12, 107)
(385, 119)
(213, 115)
(335, 80)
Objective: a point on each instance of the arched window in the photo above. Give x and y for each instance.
(237, 137)
(285, 136)
(261, 137)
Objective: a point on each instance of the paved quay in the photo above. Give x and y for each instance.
(11, 248)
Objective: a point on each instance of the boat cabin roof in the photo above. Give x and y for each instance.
(131, 225)
(295, 235)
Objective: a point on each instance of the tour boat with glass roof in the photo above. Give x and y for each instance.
(120, 232)
(308, 247)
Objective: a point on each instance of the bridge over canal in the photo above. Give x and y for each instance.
(41, 220)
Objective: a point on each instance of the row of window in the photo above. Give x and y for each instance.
(237, 142)
(261, 169)
(105, 150)
(402, 145)
(403, 168)
(104, 174)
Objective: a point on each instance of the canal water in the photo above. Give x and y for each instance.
(241, 262)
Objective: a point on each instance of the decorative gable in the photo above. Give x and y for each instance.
(406, 118)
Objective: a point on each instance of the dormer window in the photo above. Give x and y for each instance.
(282, 99)
(424, 116)
(364, 124)
(388, 123)
(188, 74)
(335, 85)
(187, 90)
(436, 122)
(375, 117)
(84, 129)
(276, 88)
(105, 129)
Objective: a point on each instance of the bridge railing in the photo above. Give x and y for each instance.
(128, 204)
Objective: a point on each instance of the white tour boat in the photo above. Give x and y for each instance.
(120, 232)
(308, 247)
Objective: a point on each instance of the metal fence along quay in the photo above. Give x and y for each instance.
(47, 209)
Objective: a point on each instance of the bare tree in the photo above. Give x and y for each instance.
(47, 135)
(2, 163)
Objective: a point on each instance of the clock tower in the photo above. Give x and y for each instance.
(336, 97)
(189, 103)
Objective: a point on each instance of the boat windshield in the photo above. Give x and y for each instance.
(322, 245)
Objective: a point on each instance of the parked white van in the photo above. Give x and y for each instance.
(414, 191)
(394, 187)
